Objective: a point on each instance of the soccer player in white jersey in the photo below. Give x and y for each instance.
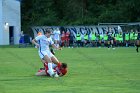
(56, 36)
(43, 42)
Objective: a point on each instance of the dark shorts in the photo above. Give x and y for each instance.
(110, 38)
(138, 38)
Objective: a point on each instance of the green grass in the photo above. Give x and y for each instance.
(91, 70)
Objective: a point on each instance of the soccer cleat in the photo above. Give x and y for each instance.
(56, 75)
(113, 48)
(53, 74)
(42, 68)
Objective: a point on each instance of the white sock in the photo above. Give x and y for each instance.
(50, 67)
(57, 45)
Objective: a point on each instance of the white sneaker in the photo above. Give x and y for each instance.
(52, 74)
(56, 75)
(113, 48)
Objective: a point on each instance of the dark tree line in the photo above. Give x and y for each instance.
(78, 12)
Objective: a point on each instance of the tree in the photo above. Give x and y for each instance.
(78, 12)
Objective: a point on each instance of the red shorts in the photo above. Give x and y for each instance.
(63, 39)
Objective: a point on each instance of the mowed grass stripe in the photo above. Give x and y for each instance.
(91, 70)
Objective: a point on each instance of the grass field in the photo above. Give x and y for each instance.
(91, 70)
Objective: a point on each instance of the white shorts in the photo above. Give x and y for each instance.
(56, 38)
(43, 53)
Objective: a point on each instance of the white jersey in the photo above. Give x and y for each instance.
(56, 35)
(44, 42)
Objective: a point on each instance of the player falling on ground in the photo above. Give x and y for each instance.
(60, 70)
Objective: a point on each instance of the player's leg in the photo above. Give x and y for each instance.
(52, 51)
(55, 42)
(43, 61)
(108, 42)
(47, 72)
(112, 44)
(46, 56)
(50, 69)
(54, 60)
(137, 45)
(58, 41)
(41, 73)
(49, 57)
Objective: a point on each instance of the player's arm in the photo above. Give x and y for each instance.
(35, 43)
(35, 40)
(58, 48)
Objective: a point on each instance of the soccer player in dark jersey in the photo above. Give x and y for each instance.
(110, 39)
(138, 42)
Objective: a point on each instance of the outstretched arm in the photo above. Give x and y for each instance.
(58, 48)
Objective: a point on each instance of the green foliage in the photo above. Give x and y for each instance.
(78, 12)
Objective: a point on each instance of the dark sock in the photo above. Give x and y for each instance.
(137, 48)
(52, 51)
(112, 45)
(108, 45)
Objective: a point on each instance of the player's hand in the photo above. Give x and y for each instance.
(60, 74)
(37, 45)
(59, 48)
